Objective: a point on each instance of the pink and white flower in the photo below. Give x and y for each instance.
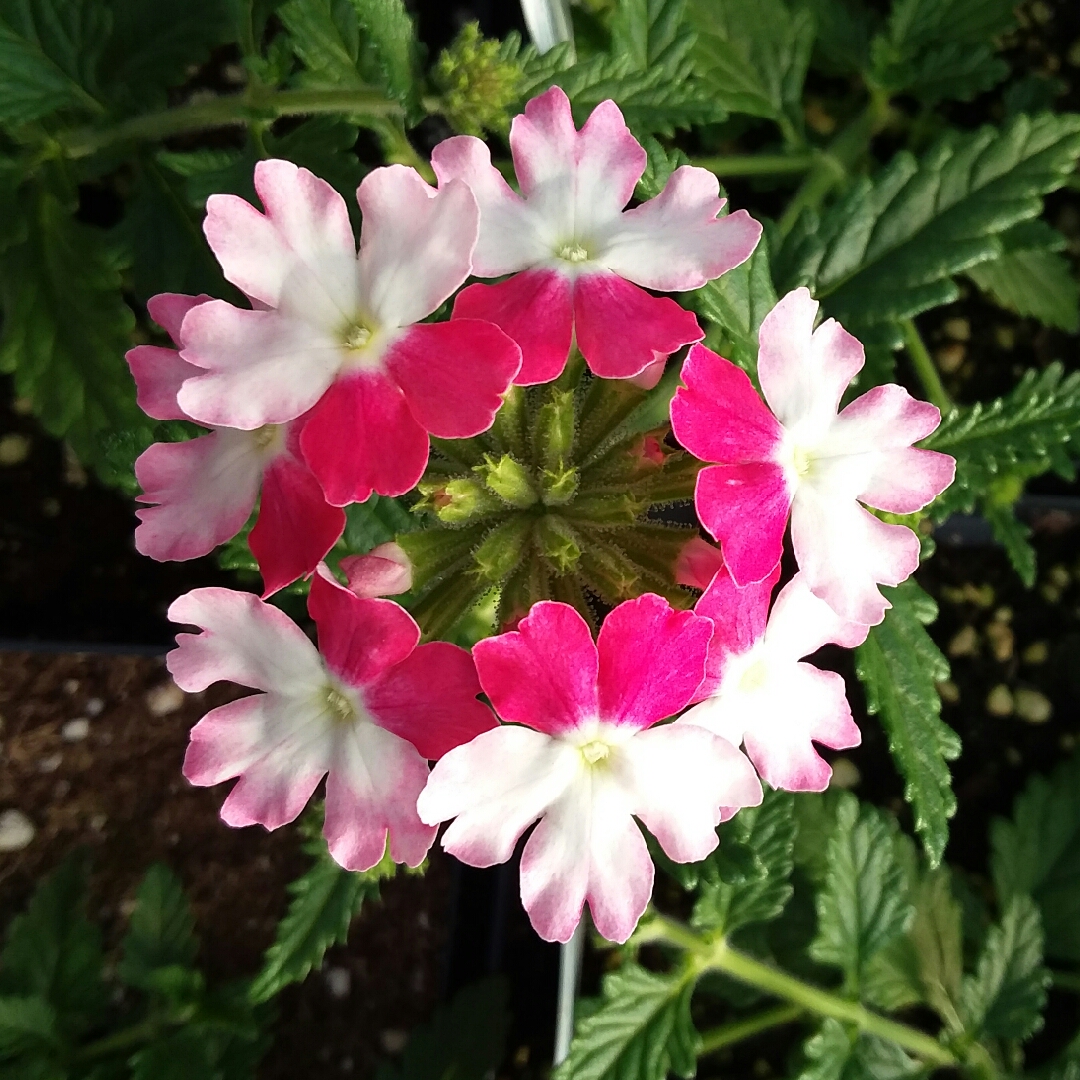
(580, 753)
(205, 489)
(759, 693)
(580, 261)
(384, 571)
(365, 710)
(797, 455)
(335, 336)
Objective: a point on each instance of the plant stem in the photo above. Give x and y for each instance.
(823, 1003)
(255, 104)
(1067, 980)
(757, 164)
(737, 1030)
(136, 1035)
(924, 366)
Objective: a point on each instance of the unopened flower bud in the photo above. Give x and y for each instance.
(459, 501)
(500, 552)
(648, 378)
(559, 543)
(478, 86)
(698, 563)
(559, 486)
(384, 571)
(508, 479)
(554, 434)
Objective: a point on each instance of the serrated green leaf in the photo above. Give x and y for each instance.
(1036, 283)
(736, 303)
(464, 1039)
(1030, 431)
(899, 665)
(832, 1054)
(764, 837)
(752, 55)
(640, 1031)
(49, 52)
(27, 1025)
(65, 333)
(844, 29)
(389, 54)
(650, 32)
(863, 902)
(325, 900)
(1013, 535)
(937, 940)
(659, 167)
(938, 49)
(162, 929)
(1006, 996)
(153, 46)
(888, 249)
(53, 951)
(1037, 853)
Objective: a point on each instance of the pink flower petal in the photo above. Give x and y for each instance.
(535, 309)
(454, 374)
(361, 437)
(621, 329)
(494, 788)
(430, 699)
(384, 571)
(360, 639)
(243, 640)
(739, 617)
(845, 552)
(681, 777)
(159, 373)
(582, 179)
(296, 526)
(718, 415)
(697, 564)
(168, 311)
(544, 673)
(205, 490)
(371, 792)
(675, 242)
(587, 847)
(907, 480)
(510, 239)
(260, 367)
(416, 243)
(304, 242)
(652, 659)
(745, 507)
(804, 372)
(801, 623)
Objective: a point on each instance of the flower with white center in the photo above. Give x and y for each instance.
(580, 753)
(581, 262)
(364, 710)
(336, 336)
(760, 694)
(205, 489)
(806, 459)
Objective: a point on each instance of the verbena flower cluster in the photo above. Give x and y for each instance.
(327, 388)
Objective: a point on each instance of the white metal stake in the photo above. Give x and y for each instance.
(548, 22)
(569, 973)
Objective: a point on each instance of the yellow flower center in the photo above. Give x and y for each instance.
(573, 252)
(340, 708)
(357, 337)
(594, 751)
(801, 460)
(264, 436)
(753, 678)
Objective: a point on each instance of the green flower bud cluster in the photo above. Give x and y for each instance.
(554, 502)
(478, 85)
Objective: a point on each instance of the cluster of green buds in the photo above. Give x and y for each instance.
(558, 501)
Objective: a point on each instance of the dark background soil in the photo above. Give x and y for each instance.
(69, 574)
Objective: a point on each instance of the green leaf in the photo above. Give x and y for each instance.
(863, 903)
(761, 839)
(752, 56)
(65, 332)
(1029, 431)
(899, 665)
(153, 46)
(162, 929)
(736, 303)
(53, 951)
(464, 1040)
(27, 1026)
(325, 900)
(1037, 853)
(641, 1030)
(831, 1054)
(49, 52)
(844, 29)
(888, 249)
(1007, 994)
(650, 32)
(1036, 283)
(375, 522)
(389, 54)
(659, 167)
(938, 49)
(181, 1055)
(1013, 535)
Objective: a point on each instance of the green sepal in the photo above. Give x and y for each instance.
(508, 479)
(553, 435)
(558, 542)
(459, 501)
(501, 550)
(558, 486)
(606, 404)
(609, 571)
(507, 433)
(443, 607)
(434, 553)
(606, 510)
